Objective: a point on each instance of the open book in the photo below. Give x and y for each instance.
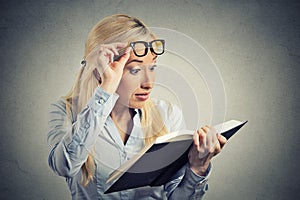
(155, 164)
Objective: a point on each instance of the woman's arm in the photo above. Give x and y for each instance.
(187, 185)
(190, 182)
(72, 140)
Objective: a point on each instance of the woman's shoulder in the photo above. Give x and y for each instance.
(62, 106)
(59, 104)
(166, 106)
(171, 114)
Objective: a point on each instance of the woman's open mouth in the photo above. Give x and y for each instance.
(142, 96)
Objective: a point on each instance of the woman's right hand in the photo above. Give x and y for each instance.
(111, 71)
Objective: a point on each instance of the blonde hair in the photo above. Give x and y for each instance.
(115, 28)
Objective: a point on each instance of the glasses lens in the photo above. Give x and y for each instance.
(158, 46)
(139, 48)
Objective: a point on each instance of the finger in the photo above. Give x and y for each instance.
(202, 138)
(111, 58)
(221, 139)
(198, 148)
(120, 45)
(110, 55)
(117, 45)
(105, 54)
(124, 58)
(214, 137)
(217, 149)
(114, 50)
(206, 129)
(210, 137)
(128, 50)
(112, 47)
(117, 48)
(196, 139)
(211, 141)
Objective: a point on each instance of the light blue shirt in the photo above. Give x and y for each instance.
(71, 139)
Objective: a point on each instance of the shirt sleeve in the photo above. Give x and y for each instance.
(72, 140)
(185, 183)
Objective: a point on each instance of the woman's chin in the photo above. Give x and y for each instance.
(137, 104)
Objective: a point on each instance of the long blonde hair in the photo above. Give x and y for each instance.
(115, 28)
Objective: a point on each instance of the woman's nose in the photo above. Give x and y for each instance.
(148, 81)
(147, 85)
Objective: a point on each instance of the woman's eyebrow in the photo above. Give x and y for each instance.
(134, 60)
(139, 61)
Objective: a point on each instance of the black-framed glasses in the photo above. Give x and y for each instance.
(140, 48)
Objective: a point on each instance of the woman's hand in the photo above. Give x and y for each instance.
(110, 71)
(207, 144)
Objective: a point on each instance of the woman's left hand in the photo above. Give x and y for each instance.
(207, 144)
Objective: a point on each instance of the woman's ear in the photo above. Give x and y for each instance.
(97, 75)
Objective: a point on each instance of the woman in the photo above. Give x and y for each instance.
(108, 117)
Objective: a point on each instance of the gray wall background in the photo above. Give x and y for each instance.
(255, 44)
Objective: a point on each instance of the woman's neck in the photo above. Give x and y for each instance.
(122, 117)
(122, 113)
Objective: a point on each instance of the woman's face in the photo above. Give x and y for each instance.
(137, 80)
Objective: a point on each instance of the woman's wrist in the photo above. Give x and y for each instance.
(200, 171)
(108, 88)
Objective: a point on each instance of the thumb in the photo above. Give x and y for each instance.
(221, 139)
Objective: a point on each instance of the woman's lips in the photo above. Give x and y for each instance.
(142, 96)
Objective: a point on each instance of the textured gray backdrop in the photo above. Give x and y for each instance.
(255, 44)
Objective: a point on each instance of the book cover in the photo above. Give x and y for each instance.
(157, 163)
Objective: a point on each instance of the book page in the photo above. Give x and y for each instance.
(223, 127)
(187, 134)
(175, 136)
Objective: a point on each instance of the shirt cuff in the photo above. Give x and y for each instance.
(102, 102)
(196, 179)
(207, 173)
(198, 184)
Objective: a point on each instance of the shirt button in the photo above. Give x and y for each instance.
(101, 101)
(199, 185)
(206, 187)
(71, 147)
(86, 125)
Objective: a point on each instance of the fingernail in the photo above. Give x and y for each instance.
(127, 50)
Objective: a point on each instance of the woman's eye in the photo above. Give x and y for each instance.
(134, 71)
(152, 68)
